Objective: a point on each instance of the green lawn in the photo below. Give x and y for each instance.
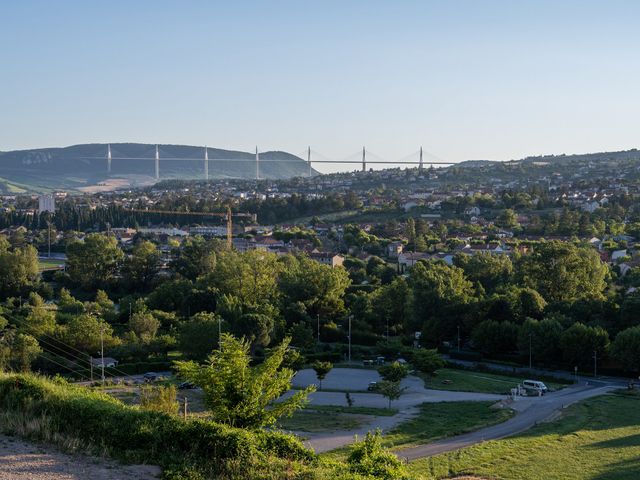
(445, 419)
(470, 381)
(316, 422)
(435, 421)
(597, 439)
(382, 412)
(49, 264)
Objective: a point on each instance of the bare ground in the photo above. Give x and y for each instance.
(20, 460)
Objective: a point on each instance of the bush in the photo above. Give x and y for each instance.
(159, 399)
(368, 457)
(45, 409)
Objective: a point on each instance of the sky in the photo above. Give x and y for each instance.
(465, 79)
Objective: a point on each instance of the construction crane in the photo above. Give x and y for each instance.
(228, 215)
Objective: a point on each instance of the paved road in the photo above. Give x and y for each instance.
(358, 380)
(530, 411)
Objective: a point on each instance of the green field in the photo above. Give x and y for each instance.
(435, 421)
(49, 264)
(445, 419)
(470, 381)
(597, 439)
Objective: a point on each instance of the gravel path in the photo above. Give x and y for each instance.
(20, 460)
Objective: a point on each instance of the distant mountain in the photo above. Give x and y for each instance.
(84, 167)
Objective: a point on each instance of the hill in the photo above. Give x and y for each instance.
(84, 167)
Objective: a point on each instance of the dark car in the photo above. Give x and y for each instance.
(373, 386)
(186, 386)
(150, 376)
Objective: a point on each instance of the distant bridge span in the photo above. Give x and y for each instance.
(359, 158)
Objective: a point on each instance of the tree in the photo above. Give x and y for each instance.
(199, 335)
(439, 292)
(543, 337)
(87, 333)
(394, 372)
(40, 321)
(492, 271)
(240, 395)
(370, 459)
(196, 257)
(507, 219)
(427, 361)
(626, 348)
(563, 272)
(144, 324)
(142, 266)
(495, 337)
(318, 287)
(93, 262)
(18, 269)
(579, 342)
(321, 369)
(390, 390)
(24, 350)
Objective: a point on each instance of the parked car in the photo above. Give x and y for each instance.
(150, 376)
(373, 386)
(186, 386)
(535, 386)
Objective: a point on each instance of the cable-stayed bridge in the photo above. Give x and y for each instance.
(362, 158)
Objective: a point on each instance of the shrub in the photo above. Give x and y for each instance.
(368, 457)
(44, 409)
(159, 399)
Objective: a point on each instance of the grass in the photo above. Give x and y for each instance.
(381, 412)
(318, 422)
(445, 419)
(49, 264)
(470, 381)
(597, 439)
(436, 421)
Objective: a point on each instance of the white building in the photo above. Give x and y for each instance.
(46, 203)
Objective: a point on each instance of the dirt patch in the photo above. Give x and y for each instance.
(20, 460)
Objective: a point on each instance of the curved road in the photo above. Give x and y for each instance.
(529, 410)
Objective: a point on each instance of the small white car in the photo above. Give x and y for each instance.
(535, 386)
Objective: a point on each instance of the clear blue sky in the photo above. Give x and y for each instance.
(465, 79)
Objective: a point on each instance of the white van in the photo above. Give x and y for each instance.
(534, 386)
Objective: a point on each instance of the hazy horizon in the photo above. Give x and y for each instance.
(488, 80)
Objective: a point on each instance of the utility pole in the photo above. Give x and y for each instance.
(219, 329)
(185, 408)
(206, 163)
(350, 317)
(229, 228)
(595, 363)
(102, 351)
